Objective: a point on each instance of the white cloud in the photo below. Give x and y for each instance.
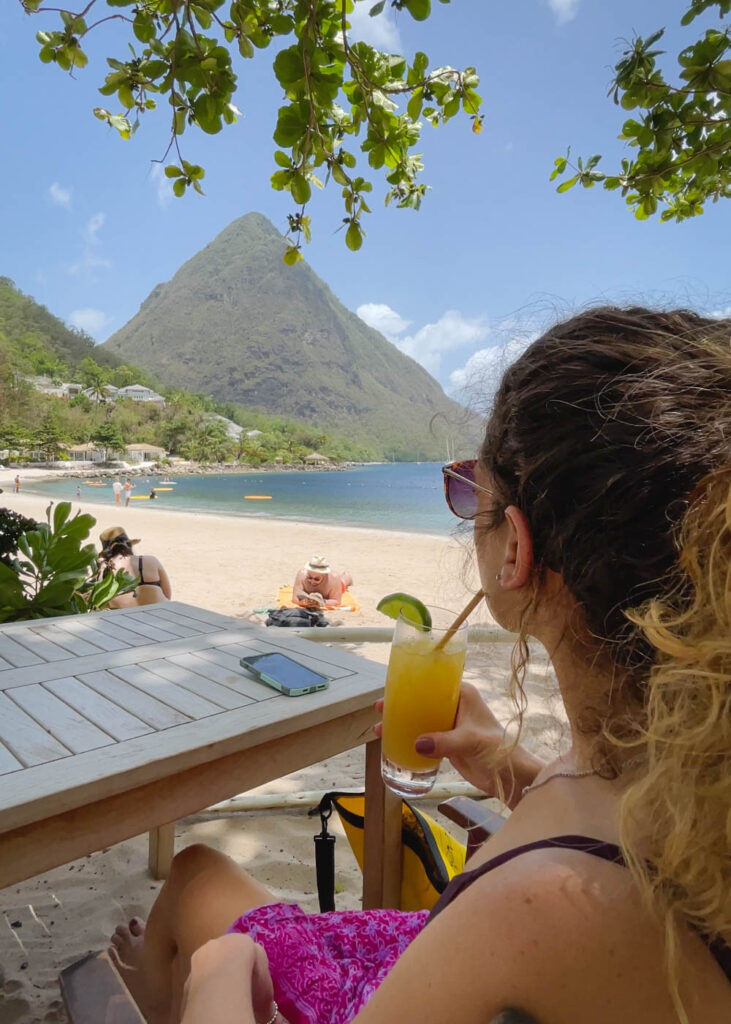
(93, 321)
(427, 345)
(565, 10)
(483, 370)
(93, 228)
(382, 318)
(380, 31)
(59, 195)
(90, 256)
(721, 314)
(163, 185)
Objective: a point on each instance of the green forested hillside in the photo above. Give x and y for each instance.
(33, 343)
(236, 323)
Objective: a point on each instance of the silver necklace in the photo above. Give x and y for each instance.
(559, 775)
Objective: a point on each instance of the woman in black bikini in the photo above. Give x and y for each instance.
(116, 553)
(606, 896)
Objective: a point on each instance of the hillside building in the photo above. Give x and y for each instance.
(139, 393)
(144, 453)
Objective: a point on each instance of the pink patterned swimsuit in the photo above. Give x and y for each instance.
(325, 967)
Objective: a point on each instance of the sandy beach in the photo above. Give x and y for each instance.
(233, 566)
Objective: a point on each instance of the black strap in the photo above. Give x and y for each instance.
(325, 858)
(139, 569)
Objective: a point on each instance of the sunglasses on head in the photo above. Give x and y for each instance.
(460, 489)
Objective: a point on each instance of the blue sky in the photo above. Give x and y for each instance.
(89, 226)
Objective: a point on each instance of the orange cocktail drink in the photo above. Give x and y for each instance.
(421, 696)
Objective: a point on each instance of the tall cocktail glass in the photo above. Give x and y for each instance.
(421, 696)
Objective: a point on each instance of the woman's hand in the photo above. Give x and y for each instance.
(229, 983)
(478, 749)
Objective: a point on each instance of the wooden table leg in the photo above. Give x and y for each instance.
(382, 844)
(161, 850)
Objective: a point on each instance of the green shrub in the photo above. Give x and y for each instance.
(53, 572)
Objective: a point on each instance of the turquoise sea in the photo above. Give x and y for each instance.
(394, 496)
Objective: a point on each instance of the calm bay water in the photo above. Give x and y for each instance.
(394, 496)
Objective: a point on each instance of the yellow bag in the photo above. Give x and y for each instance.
(430, 854)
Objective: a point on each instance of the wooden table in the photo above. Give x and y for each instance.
(121, 722)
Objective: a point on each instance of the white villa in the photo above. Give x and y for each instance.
(88, 452)
(144, 453)
(138, 393)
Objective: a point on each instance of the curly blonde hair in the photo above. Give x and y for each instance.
(675, 818)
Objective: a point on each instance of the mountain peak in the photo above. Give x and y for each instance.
(237, 324)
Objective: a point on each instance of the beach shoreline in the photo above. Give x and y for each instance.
(235, 563)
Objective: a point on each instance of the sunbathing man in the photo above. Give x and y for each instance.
(317, 586)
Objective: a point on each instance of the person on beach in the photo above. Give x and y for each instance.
(78, 490)
(128, 488)
(317, 586)
(116, 553)
(117, 490)
(16, 484)
(601, 502)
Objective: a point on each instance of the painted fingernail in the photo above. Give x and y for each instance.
(425, 745)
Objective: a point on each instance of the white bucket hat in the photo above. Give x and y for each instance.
(318, 564)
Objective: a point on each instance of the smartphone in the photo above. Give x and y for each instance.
(285, 674)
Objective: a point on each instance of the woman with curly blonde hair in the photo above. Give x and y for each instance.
(601, 502)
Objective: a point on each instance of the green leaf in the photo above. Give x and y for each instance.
(207, 113)
(419, 11)
(377, 8)
(171, 171)
(300, 189)
(179, 187)
(354, 236)
(569, 183)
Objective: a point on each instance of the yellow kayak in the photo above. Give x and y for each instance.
(257, 497)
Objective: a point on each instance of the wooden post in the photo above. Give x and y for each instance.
(382, 844)
(161, 850)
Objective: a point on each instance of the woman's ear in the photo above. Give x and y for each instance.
(518, 560)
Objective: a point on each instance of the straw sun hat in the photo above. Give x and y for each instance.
(318, 564)
(116, 533)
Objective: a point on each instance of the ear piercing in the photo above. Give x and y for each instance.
(498, 576)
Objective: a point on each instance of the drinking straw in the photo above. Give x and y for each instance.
(474, 601)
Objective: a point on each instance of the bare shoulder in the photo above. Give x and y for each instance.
(557, 933)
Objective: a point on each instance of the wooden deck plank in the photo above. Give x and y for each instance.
(168, 624)
(163, 690)
(314, 661)
(8, 763)
(165, 613)
(44, 648)
(229, 662)
(197, 614)
(24, 738)
(16, 654)
(184, 675)
(84, 626)
(111, 718)
(66, 639)
(150, 711)
(148, 629)
(235, 679)
(65, 723)
(142, 650)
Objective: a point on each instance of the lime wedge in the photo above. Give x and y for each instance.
(410, 607)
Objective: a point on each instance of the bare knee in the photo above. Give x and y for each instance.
(194, 859)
